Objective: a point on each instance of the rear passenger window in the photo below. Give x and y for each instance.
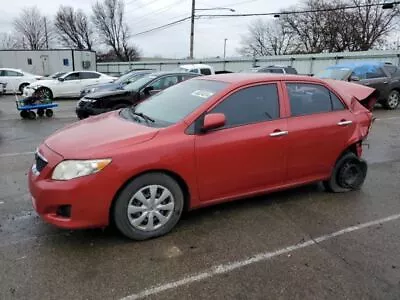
(336, 103)
(205, 71)
(250, 105)
(308, 99)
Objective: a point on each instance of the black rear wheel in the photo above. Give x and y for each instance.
(44, 93)
(348, 174)
(393, 100)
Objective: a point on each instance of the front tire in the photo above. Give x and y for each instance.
(149, 206)
(44, 93)
(348, 174)
(392, 101)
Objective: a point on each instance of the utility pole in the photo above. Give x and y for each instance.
(45, 32)
(192, 28)
(225, 48)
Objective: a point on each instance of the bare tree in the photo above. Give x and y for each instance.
(372, 24)
(330, 26)
(33, 28)
(268, 38)
(7, 41)
(109, 21)
(73, 28)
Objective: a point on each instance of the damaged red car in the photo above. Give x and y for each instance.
(204, 141)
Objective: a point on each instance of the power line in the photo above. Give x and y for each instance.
(277, 14)
(144, 5)
(163, 9)
(162, 27)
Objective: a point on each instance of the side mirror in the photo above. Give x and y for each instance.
(213, 121)
(147, 90)
(61, 79)
(354, 78)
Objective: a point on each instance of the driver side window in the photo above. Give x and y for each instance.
(164, 82)
(72, 76)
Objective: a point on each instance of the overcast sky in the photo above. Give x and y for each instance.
(174, 41)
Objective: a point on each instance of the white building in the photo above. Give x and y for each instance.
(46, 62)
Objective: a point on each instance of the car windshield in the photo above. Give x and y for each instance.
(334, 73)
(131, 77)
(136, 85)
(175, 103)
(56, 75)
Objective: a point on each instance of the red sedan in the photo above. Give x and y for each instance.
(204, 141)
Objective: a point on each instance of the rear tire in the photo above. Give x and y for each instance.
(22, 86)
(392, 101)
(141, 196)
(348, 174)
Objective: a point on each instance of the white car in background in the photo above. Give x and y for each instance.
(16, 79)
(68, 85)
(197, 68)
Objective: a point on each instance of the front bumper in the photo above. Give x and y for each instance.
(28, 92)
(89, 198)
(85, 109)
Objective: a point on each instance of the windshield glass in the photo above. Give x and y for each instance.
(129, 77)
(334, 73)
(136, 85)
(175, 103)
(56, 75)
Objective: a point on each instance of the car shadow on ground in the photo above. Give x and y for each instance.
(192, 219)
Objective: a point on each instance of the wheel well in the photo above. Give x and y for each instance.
(23, 84)
(181, 182)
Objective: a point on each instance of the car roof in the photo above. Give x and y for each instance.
(243, 78)
(195, 66)
(12, 69)
(161, 73)
(352, 65)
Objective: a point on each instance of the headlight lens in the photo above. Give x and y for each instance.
(70, 169)
(93, 90)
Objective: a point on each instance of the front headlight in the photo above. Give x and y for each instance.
(70, 169)
(93, 90)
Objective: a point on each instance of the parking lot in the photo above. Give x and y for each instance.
(299, 244)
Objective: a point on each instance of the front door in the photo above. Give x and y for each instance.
(248, 154)
(319, 128)
(71, 85)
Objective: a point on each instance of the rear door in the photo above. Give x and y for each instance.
(319, 127)
(13, 80)
(88, 78)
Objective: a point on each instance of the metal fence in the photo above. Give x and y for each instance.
(305, 64)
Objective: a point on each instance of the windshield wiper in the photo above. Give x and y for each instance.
(142, 115)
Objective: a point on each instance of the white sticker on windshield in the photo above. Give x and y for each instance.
(202, 94)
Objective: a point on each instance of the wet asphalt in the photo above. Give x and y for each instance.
(39, 261)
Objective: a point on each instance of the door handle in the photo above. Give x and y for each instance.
(278, 133)
(345, 123)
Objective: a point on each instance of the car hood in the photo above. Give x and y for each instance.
(103, 86)
(106, 94)
(98, 137)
